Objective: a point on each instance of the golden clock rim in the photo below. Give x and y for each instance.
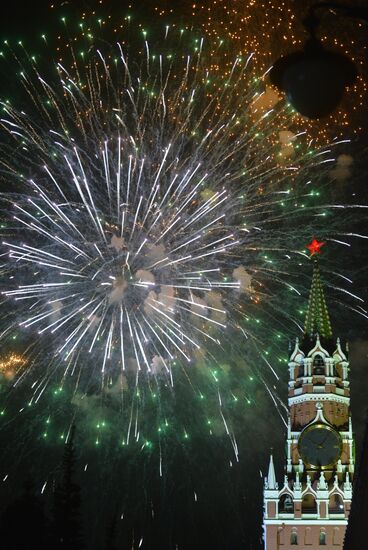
(310, 428)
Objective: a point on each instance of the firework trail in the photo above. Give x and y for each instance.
(146, 197)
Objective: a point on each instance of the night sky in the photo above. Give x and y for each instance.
(203, 498)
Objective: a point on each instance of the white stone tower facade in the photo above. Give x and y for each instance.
(310, 507)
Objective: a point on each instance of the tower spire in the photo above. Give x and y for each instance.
(271, 478)
(317, 319)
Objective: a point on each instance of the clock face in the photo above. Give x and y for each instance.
(320, 446)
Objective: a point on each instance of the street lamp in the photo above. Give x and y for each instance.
(314, 79)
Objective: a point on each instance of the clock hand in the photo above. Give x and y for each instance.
(322, 444)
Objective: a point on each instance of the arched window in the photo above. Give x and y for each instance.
(318, 365)
(336, 536)
(281, 536)
(336, 504)
(294, 536)
(322, 537)
(308, 536)
(286, 504)
(309, 505)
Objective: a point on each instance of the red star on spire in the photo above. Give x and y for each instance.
(315, 246)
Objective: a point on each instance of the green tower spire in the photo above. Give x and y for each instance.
(317, 319)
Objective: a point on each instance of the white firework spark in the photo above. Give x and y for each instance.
(146, 198)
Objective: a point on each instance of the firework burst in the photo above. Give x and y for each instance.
(145, 202)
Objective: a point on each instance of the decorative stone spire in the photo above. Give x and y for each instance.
(271, 478)
(347, 483)
(322, 484)
(317, 320)
(336, 481)
(297, 484)
(297, 356)
(338, 352)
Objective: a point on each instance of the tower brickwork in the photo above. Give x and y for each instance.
(310, 507)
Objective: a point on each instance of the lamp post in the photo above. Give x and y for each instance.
(314, 79)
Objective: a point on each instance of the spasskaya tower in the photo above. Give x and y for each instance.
(310, 506)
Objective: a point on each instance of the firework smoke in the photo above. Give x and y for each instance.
(145, 203)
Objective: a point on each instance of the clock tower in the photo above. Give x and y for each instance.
(310, 507)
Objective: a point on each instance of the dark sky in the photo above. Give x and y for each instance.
(231, 498)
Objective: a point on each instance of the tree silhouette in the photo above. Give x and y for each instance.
(67, 503)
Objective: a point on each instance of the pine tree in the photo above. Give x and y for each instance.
(67, 503)
(111, 533)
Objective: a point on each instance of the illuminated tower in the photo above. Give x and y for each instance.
(310, 507)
